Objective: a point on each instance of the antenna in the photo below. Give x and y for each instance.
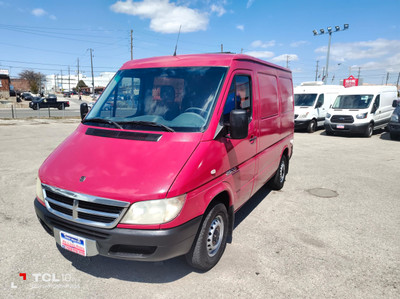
(176, 46)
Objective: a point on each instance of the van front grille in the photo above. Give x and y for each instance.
(84, 209)
(342, 119)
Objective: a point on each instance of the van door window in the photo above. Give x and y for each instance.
(320, 101)
(239, 97)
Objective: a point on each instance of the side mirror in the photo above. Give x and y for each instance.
(239, 124)
(84, 110)
(395, 103)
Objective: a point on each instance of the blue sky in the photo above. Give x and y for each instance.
(48, 36)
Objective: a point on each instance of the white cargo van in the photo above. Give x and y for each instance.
(312, 100)
(361, 110)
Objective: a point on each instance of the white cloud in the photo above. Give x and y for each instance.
(362, 50)
(53, 17)
(298, 43)
(240, 27)
(165, 17)
(39, 12)
(249, 3)
(261, 44)
(372, 55)
(285, 57)
(218, 9)
(260, 54)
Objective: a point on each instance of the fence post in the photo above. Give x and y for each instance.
(63, 109)
(48, 107)
(38, 109)
(12, 111)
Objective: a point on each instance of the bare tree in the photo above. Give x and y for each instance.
(35, 79)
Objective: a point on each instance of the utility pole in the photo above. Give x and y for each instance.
(55, 83)
(359, 70)
(79, 89)
(131, 44)
(316, 71)
(222, 48)
(287, 61)
(62, 86)
(398, 78)
(69, 80)
(387, 78)
(91, 62)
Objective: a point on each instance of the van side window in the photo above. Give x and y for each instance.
(377, 101)
(239, 97)
(320, 101)
(269, 105)
(286, 90)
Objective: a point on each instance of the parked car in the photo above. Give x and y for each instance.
(13, 93)
(394, 124)
(67, 94)
(49, 102)
(27, 96)
(311, 102)
(361, 110)
(166, 176)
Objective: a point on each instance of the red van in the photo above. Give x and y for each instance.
(171, 150)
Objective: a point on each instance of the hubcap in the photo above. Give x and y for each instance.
(282, 172)
(215, 235)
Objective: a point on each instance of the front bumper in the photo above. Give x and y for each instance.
(130, 244)
(301, 124)
(346, 128)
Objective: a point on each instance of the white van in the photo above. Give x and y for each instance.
(361, 110)
(312, 100)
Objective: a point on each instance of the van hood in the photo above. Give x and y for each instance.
(120, 165)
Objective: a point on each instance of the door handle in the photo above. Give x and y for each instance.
(252, 139)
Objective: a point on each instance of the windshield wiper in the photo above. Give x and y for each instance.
(147, 123)
(103, 120)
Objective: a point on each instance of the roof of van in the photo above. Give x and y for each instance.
(368, 89)
(218, 59)
(318, 89)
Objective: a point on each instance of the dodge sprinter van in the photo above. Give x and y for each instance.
(171, 150)
(361, 110)
(311, 102)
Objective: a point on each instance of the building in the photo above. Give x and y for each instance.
(57, 83)
(4, 84)
(20, 84)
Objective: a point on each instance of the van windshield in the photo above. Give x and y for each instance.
(305, 99)
(352, 101)
(171, 99)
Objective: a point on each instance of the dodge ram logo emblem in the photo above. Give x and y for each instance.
(82, 179)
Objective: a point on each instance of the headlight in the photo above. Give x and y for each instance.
(304, 115)
(39, 190)
(328, 115)
(362, 115)
(154, 211)
(394, 118)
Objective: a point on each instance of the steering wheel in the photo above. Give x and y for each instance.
(200, 111)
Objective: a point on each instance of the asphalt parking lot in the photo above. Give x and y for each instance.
(332, 231)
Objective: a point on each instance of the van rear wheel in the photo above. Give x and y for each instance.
(210, 242)
(278, 180)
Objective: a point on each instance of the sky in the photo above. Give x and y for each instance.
(50, 36)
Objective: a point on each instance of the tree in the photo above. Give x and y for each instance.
(35, 79)
(81, 84)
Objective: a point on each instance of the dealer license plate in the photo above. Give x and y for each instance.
(73, 243)
(339, 126)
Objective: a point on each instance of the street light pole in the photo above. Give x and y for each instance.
(322, 31)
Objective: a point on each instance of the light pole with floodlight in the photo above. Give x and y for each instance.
(322, 31)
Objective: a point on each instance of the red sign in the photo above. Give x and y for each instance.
(350, 82)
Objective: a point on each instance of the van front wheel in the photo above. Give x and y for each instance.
(278, 180)
(312, 126)
(369, 130)
(210, 242)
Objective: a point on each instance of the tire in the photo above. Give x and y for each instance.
(210, 242)
(312, 126)
(60, 107)
(369, 131)
(278, 180)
